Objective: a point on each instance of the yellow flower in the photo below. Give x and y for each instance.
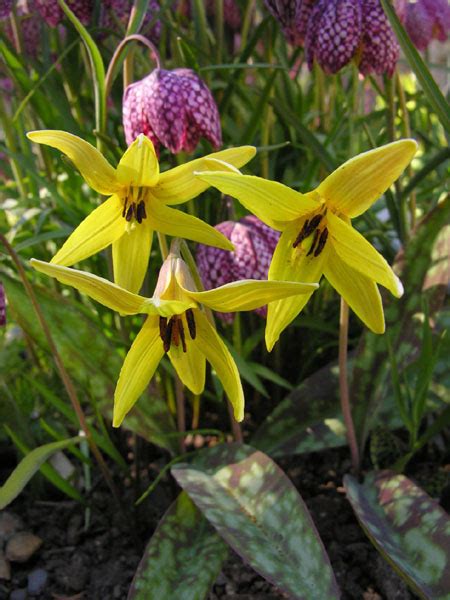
(317, 236)
(138, 204)
(176, 325)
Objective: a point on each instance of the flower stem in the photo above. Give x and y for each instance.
(70, 389)
(181, 412)
(343, 385)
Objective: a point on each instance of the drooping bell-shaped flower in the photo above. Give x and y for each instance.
(52, 13)
(293, 16)
(254, 243)
(176, 325)
(5, 8)
(379, 47)
(426, 20)
(173, 108)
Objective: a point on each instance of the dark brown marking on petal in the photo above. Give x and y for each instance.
(314, 242)
(191, 323)
(181, 332)
(322, 241)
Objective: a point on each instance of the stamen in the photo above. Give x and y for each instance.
(130, 211)
(168, 335)
(162, 327)
(307, 229)
(140, 211)
(301, 235)
(181, 332)
(316, 235)
(191, 323)
(322, 242)
(175, 332)
(125, 208)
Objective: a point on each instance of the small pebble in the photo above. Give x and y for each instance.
(9, 524)
(5, 569)
(18, 595)
(37, 580)
(22, 546)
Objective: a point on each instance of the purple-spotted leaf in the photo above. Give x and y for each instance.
(258, 511)
(183, 557)
(409, 528)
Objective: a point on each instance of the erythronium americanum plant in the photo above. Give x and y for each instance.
(138, 203)
(176, 325)
(317, 236)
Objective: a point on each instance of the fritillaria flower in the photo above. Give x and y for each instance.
(29, 26)
(5, 8)
(118, 11)
(342, 30)
(293, 16)
(139, 202)
(52, 13)
(317, 236)
(426, 20)
(176, 325)
(254, 243)
(174, 108)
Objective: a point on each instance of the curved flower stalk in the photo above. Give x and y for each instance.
(317, 236)
(139, 203)
(176, 325)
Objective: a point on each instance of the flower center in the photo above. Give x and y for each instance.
(311, 227)
(171, 331)
(134, 206)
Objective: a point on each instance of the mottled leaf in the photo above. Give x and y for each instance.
(258, 511)
(409, 528)
(182, 559)
(423, 266)
(306, 420)
(27, 467)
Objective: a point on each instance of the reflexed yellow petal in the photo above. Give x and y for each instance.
(190, 365)
(270, 201)
(167, 308)
(356, 251)
(360, 292)
(180, 184)
(356, 184)
(250, 294)
(100, 228)
(95, 169)
(139, 165)
(99, 289)
(290, 264)
(138, 368)
(130, 256)
(221, 360)
(178, 224)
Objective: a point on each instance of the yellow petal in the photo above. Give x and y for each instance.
(290, 264)
(100, 228)
(360, 292)
(179, 184)
(99, 289)
(130, 256)
(139, 165)
(356, 184)
(95, 169)
(270, 201)
(137, 370)
(356, 251)
(221, 360)
(178, 224)
(249, 294)
(190, 365)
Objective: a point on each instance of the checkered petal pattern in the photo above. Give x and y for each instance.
(5, 8)
(426, 20)
(173, 108)
(254, 244)
(380, 49)
(51, 12)
(293, 17)
(334, 33)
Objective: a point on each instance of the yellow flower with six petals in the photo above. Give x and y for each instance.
(176, 325)
(317, 236)
(139, 203)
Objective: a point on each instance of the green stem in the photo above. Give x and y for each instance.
(10, 143)
(218, 16)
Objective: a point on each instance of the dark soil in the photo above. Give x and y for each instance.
(98, 562)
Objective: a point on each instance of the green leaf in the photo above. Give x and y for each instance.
(258, 511)
(306, 420)
(183, 557)
(429, 86)
(408, 527)
(27, 467)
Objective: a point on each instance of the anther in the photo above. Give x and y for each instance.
(130, 211)
(168, 335)
(181, 332)
(125, 208)
(322, 242)
(191, 323)
(162, 327)
(308, 228)
(314, 242)
(140, 211)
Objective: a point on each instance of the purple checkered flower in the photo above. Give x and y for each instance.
(231, 13)
(172, 108)
(2, 306)
(118, 11)
(52, 14)
(30, 30)
(426, 20)
(5, 8)
(293, 16)
(342, 30)
(254, 244)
